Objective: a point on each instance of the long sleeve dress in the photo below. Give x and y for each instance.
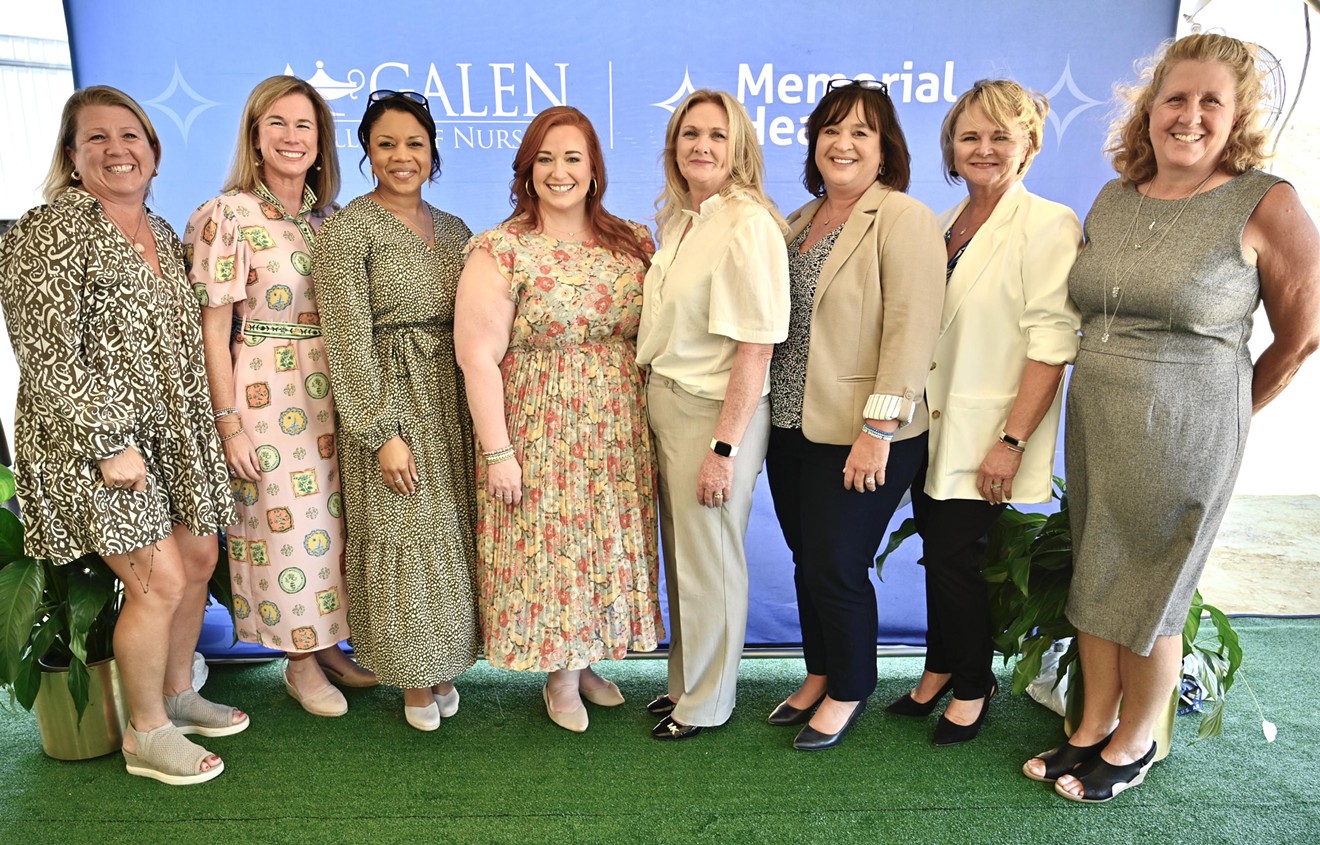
(387, 312)
(109, 357)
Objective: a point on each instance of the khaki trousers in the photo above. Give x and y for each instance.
(705, 562)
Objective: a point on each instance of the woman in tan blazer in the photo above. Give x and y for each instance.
(848, 425)
(1007, 332)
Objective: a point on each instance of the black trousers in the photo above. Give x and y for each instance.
(834, 535)
(953, 533)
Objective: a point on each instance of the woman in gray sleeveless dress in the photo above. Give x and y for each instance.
(1180, 250)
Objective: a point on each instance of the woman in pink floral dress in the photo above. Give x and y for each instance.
(249, 257)
(545, 330)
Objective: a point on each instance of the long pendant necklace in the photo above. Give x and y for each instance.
(1117, 290)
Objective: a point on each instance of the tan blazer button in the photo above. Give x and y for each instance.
(932, 365)
(934, 415)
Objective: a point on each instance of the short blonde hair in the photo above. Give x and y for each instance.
(1130, 147)
(1008, 105)
(746, 166)
(245, 172)
(60, 175)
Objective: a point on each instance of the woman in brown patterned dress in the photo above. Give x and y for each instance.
(116, 450)
(385, 271)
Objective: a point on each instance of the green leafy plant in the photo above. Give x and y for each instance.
(54, 616)
(1028, 570)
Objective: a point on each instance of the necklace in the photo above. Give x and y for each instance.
(829, 215)
(1157, 237)
(138, 246)
(546, 228)
(412, 218)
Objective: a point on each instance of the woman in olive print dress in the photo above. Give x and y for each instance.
(386, 270)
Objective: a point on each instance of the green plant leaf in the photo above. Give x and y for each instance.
(1212, 722)
(88, 595)
(7, 486)
(79, 684)
(11, 538)
(27, 683)
(22, 582)
(1231, 644)
(905, 530)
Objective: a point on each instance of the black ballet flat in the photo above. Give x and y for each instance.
(810, 739)
(662, 705)
(786, 714)
(952, 733)
(906, 705)
(1102, 780)
(1062, 759)
(669, 730)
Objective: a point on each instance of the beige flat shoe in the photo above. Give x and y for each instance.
(423, 718)
(355, 678)
(327, 701)
(573, 720)
(606, 696)
(448, 704)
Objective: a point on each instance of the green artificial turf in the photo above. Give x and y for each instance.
(500, 772)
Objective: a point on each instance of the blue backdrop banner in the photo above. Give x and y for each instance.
(488, 70)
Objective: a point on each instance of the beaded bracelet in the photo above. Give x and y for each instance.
(232, 434)
(223, 412)
(496, 455)
(877, 433)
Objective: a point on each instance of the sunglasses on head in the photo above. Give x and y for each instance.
(867, 84)
(386, 94)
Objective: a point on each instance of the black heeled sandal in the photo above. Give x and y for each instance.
(1102, 780)
(1062, 759)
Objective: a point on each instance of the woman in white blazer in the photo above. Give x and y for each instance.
(1007, 331)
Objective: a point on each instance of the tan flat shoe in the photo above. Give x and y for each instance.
(355, 678)
(327, 701)
(573, 720)
(606, 696)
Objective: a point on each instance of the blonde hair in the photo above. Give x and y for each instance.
(245, 172)
(1008, 105)
(60, 175)
(746, 166)
(1129, 144)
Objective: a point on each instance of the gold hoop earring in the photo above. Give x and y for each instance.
(591, 188)
(530, 190)
(75, 175)
(882, 171)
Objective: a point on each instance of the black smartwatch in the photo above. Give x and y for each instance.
(724, 450)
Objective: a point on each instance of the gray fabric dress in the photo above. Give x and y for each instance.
(1158, 414)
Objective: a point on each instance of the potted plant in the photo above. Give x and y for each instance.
(56, 651)
(1028, 569)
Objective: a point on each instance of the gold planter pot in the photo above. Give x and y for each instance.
(101, 731)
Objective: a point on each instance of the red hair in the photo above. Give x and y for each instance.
(609, 231)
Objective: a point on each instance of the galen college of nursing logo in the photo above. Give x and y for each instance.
(475, 106)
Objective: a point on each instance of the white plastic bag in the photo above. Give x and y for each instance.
(1042, 689)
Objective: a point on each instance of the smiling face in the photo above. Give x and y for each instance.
(987, 156)
(848, 154)
(400, 153)
(561, 172)
(702, 150)
(1192, 116)
(287, 137)
(112, 155)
